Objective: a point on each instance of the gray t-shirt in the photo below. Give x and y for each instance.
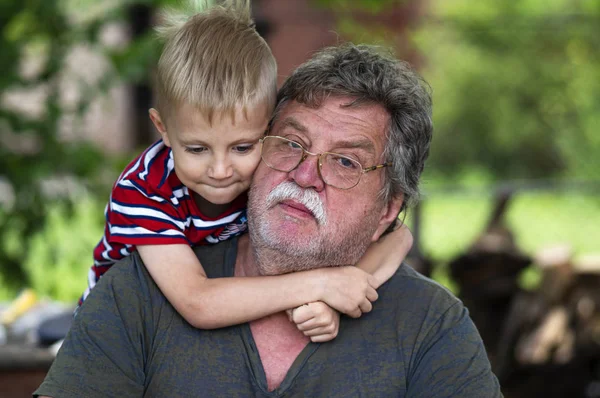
(128, 341)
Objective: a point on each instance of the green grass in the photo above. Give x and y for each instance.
(451, 223)
(60, 255)
(540, 220)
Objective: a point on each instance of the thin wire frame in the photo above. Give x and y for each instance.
(319, 156)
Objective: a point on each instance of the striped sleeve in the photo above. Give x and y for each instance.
(137, 217)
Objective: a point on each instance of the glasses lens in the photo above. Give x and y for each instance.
(340, 171)
(281, 154)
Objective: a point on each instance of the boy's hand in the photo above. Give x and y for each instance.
(316, 320)
(349, 290)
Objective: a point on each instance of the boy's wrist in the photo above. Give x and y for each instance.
(318, 284)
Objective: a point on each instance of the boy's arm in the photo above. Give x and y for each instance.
(209, 303)
(383, 257)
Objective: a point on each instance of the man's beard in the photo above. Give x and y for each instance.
(332, 245)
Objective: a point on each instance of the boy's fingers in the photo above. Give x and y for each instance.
(355, 313)
(366, 306)
(322, 338)
(373, 283)
(302, 314)
(314, 323)
(329, 329)
(310, 324)
(372, 294)
(290, 314)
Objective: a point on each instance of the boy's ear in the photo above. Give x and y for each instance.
(160, 126)
(388, 216)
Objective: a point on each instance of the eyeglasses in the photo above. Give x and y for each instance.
(336, 170)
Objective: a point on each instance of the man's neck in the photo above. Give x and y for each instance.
(278, 340)
(245, 263)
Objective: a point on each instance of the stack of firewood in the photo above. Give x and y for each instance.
(542, 343)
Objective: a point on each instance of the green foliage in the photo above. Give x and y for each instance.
(35, 161)
(351, 26)
(60, 253)
(36, 164)
(32, 151)
(516, 84)
(370, 6)
(516, 87)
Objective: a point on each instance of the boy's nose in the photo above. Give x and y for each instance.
(220, 169)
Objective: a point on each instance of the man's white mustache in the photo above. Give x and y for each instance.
(307, 197)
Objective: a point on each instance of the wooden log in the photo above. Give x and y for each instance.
(588, 264)
(538, 346)
(557, 271)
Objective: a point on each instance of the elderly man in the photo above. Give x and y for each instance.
(345, 150)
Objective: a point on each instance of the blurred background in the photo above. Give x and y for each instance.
(510, 217)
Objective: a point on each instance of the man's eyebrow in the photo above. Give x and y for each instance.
(364, 144)
(293, 123)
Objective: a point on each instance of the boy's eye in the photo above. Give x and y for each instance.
(243, 148)
(195, 149)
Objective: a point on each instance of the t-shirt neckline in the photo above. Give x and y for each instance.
(253, 360)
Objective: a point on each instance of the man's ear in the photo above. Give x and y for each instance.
(160, 126)
(389, 214)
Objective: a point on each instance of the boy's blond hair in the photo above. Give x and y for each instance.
(215, 60)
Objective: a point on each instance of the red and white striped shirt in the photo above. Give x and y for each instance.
(150, 206)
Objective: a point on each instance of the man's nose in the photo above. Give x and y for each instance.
(306, 175)
(220, 168)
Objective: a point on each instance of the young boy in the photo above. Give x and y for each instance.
(216, 86)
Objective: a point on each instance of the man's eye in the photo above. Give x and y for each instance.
(243, 148)
(294, 145)
(195, 149)
(346, 162)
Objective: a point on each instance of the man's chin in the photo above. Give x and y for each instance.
(296, 229)
(288, 235)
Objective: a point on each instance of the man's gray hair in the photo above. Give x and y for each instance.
(368, 75)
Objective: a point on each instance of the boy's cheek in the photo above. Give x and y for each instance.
(254, 161)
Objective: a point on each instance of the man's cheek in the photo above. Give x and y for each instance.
(259, 190)
(268, 180)
(262, 169)
(358, 206)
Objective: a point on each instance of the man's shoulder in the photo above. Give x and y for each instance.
(129, 274)
(442, 350)
(130, 271)
(407, 275)
(411, 292)
(218, 259)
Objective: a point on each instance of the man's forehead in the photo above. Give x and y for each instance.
(353, 123)
(348, 108)
(292, 122)
(349, 141)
